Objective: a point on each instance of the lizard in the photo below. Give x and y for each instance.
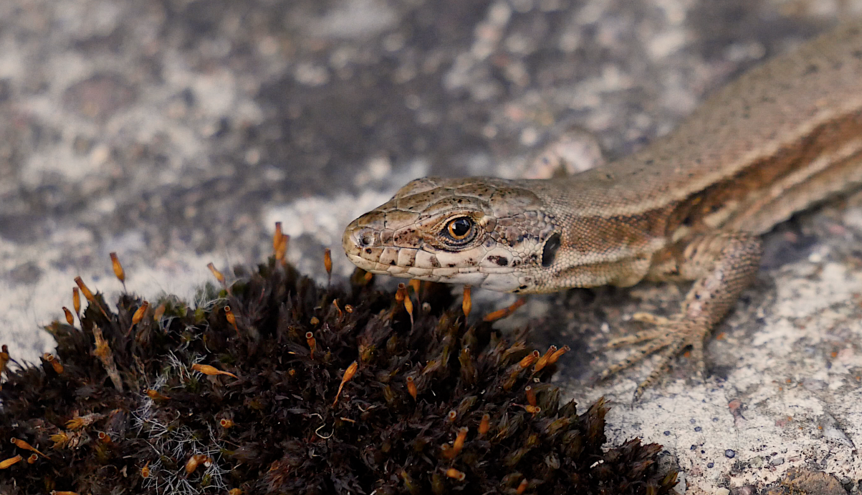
(690, 206)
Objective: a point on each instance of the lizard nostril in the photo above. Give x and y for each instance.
(365, 238)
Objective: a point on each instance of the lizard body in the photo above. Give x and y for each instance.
(689, 206)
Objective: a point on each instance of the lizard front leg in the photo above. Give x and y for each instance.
(722, 265)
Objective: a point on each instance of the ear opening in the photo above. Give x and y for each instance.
(549, 252)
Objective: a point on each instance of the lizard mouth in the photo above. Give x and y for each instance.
(364, 248)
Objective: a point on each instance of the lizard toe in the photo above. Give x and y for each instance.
(669, 339)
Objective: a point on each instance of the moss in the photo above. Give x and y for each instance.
(247, 391)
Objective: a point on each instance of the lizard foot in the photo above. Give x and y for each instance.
(722, 265)
(669, 338)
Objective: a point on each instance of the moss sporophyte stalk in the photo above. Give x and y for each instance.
(273, 384)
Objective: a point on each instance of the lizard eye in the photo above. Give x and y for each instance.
(460, 229)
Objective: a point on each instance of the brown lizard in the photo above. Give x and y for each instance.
(690, 206)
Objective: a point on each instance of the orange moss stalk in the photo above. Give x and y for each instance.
(505, 312)
(10, 461)
(21, 444)
(327, 263)
(467, 304)
(210, 370)
(89, 296)
(118, 269)
(348, 375)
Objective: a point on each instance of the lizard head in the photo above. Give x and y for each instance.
(480, 231)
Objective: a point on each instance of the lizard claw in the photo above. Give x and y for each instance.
(650, 318)
(669, 339)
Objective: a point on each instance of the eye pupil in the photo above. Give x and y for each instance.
(460, 227)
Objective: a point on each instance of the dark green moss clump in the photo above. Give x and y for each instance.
(187, 401)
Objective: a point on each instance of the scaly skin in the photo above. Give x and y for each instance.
(688, 207)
